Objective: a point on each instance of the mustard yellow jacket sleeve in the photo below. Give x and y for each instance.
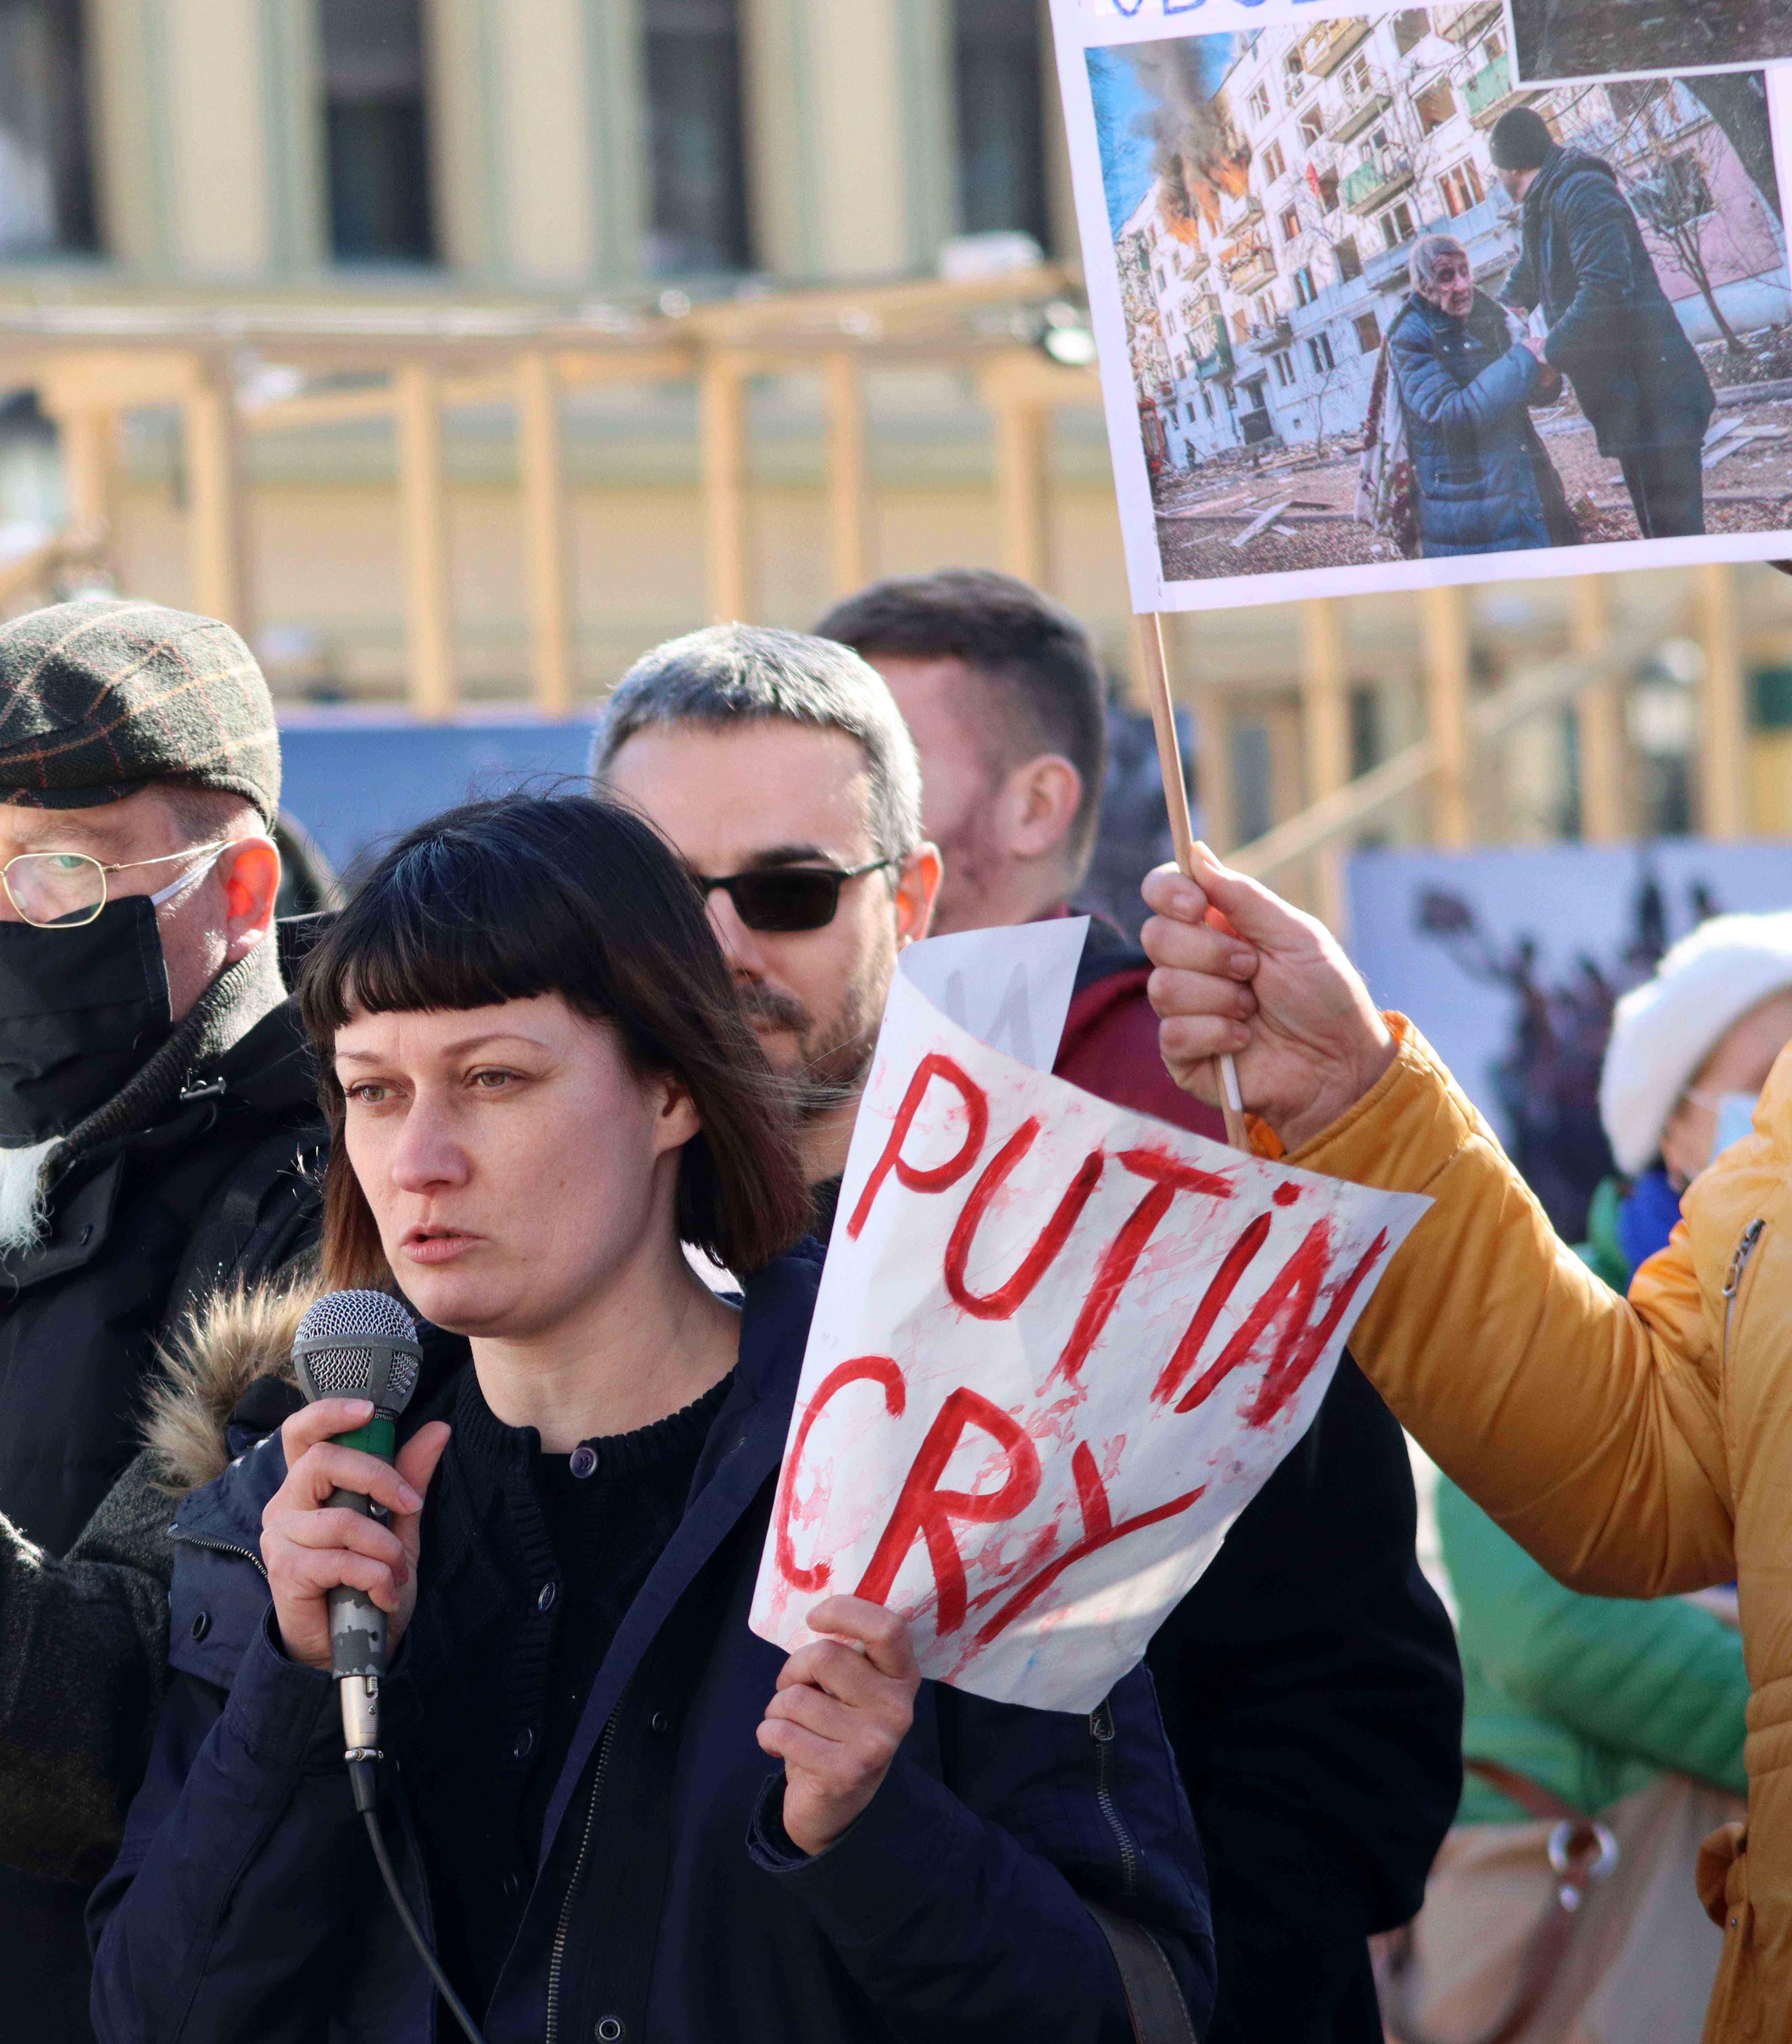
(1586, 1424)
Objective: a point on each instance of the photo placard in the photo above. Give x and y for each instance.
(1373, 313)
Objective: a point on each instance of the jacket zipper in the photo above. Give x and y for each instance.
(1101, 1728)
(227, 1547)
(557, 1962)
(1732, 1284)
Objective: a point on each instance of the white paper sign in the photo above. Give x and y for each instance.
(1010, 988)
(1058, 1347)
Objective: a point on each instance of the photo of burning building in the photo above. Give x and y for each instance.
(1266, 193)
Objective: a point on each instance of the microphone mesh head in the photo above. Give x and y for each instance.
(338, 1366)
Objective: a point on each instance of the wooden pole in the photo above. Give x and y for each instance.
(1446, 704)
(214, 500)
(1723, 733)
(89, 440)
(544, 534)
(1181, 829)
(1598, 717)
(423, 513)
(1325, 730)
(1021, 505)
(722, 428)
(848, 482)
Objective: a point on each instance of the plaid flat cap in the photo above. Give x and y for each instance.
(99, 697)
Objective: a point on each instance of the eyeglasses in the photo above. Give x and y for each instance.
(64, 890)
(783, 898)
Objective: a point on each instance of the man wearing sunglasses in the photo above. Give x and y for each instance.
(157, 1110)
(778, 766)
(1309, 1681)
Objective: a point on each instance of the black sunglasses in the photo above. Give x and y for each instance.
(783, 898)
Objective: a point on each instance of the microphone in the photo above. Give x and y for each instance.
(364, 1345)
(359, 1345)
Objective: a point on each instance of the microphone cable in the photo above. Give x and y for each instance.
(364, 1784)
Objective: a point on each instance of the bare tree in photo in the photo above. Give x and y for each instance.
(1669, 170)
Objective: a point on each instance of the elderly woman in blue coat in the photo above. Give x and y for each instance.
(1485, 484)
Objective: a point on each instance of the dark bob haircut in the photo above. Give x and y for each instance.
(577, 896)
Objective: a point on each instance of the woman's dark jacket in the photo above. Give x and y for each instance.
(244, 1902)
(1613, 330)
(1485, 484)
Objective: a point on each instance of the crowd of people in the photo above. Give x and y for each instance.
(575, 1076)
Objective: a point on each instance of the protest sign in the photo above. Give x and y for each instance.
(1058, 1347)
(1290, 416)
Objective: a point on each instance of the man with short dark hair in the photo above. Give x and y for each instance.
(1309, 1681)
(1612, 330)
(158, 1118)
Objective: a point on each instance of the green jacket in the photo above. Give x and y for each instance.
(1591, 1697)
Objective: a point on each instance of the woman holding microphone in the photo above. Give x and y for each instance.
(619, 1813)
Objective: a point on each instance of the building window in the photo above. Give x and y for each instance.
(376, 138)
(1368, 333)
(1355, 83)
(1258, 103)
(1305, 289)
(1275, 163)
(1207, 404)
(1319, 347)
(46, 184)
(1285, 369)
(1461, 187)
(1349, 262)
(1396, 225)
(1312, 125)
(1327, 182)
(697, 160)
(1410, 29)
(1000, 99)
(1241, 325)
(1435, 105)
(1290, 225)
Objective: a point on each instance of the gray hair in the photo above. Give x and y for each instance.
(735, 673)
(1428, 253)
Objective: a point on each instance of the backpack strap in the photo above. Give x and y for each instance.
(1154, 2001)
(264, 1214)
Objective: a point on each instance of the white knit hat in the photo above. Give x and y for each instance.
(1664, 1030)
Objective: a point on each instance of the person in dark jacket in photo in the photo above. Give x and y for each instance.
(1310, 1680)
(158, 1116)
(1485, 484)
(1612, 330)
(621, 1813)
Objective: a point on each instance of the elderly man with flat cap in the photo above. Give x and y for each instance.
(158, 1128)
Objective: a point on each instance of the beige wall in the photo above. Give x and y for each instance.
(217, 141)
(550, 233)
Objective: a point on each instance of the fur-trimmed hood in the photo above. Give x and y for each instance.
(238, 1336)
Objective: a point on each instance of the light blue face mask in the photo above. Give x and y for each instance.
(1736, 1119)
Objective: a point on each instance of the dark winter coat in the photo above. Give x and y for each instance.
(1309, 1681)
(666, 1902)
(208, 1179)
(1612, 330)
(1485, 484)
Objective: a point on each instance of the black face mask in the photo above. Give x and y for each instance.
(81, 1009)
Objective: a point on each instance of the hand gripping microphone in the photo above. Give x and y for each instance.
(359, 1345)
(364, 1345)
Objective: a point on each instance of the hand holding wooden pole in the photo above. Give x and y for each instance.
(1182, 832)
